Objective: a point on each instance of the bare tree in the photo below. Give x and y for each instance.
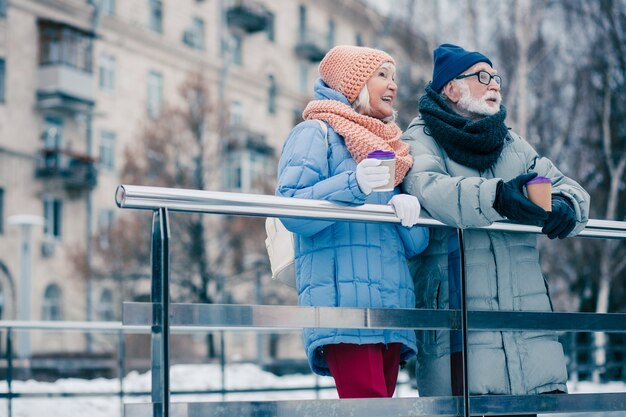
(180, 149)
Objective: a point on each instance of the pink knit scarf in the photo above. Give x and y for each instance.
(362, 134)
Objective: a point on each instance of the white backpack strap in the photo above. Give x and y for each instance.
(324, 127)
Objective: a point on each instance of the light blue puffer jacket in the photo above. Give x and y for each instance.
(344, 264)
(503, 272)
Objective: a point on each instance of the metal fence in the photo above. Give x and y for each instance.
(160, 314)
(8, 363)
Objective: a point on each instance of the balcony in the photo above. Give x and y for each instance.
(246, 16)
(65, 88)
(312, 46)
(240, 137)
(76, 171)
(65, 76)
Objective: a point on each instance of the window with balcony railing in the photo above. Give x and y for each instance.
(60, 44)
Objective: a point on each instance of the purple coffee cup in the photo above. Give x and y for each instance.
(386, 158)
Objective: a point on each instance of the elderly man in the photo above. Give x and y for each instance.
(469, 170)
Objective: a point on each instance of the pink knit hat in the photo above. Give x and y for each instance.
(347, 68)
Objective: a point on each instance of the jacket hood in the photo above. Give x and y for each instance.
(322, 91)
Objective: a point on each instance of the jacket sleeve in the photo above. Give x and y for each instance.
(456, 201)
(561, 185)
(303, 172)
(415, 239)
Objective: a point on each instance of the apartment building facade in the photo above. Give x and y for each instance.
(80, 79)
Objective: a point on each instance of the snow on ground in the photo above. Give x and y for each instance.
(200, 377)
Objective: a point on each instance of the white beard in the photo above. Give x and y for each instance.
(479, 106)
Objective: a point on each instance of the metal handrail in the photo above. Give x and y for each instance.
(161, 314)
(256, 205)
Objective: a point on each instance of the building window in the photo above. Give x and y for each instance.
(247, 168)
(303, 77)
(2, 302)
(106, 72)
(51, 303)
(105, 305)
(236, 113)
(108, 7)
(155, 93)
(3, 8)
(2, 80)
(194, 37)
(65, 45)
(237, 49)
(331, 33)
(1, 211)
(358, 39)
(106, 217)
(107, 150)
(302, 23)
(270, 28)
(272, 91)
(52, 135)
(296, 116)
(156, 16)
(53, 214)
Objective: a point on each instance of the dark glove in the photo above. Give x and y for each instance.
(561, 220)
(512, 203)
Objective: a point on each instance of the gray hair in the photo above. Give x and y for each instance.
(362, 101)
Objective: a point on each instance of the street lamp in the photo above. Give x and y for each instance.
(26, 223)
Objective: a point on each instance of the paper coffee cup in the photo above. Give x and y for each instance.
(386, 158)
(539, 191)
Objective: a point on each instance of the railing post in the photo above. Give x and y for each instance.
(223, 365)
(466, 405)
(121, 354)
(10, 369)
(160, 330)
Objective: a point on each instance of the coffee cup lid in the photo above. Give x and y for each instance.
(539, 180)
(380, 154)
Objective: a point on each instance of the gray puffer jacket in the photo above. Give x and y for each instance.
(503, 272)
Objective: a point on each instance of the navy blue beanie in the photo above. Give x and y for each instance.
(450, 61)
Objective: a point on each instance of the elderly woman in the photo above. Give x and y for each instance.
(349, 264)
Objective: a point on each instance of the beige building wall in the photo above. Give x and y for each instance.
(122, 110)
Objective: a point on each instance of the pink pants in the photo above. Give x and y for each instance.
(364, 371)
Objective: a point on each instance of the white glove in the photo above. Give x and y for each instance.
(407, 208)
(370, 174)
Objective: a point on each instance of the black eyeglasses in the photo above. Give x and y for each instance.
(483, 77)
